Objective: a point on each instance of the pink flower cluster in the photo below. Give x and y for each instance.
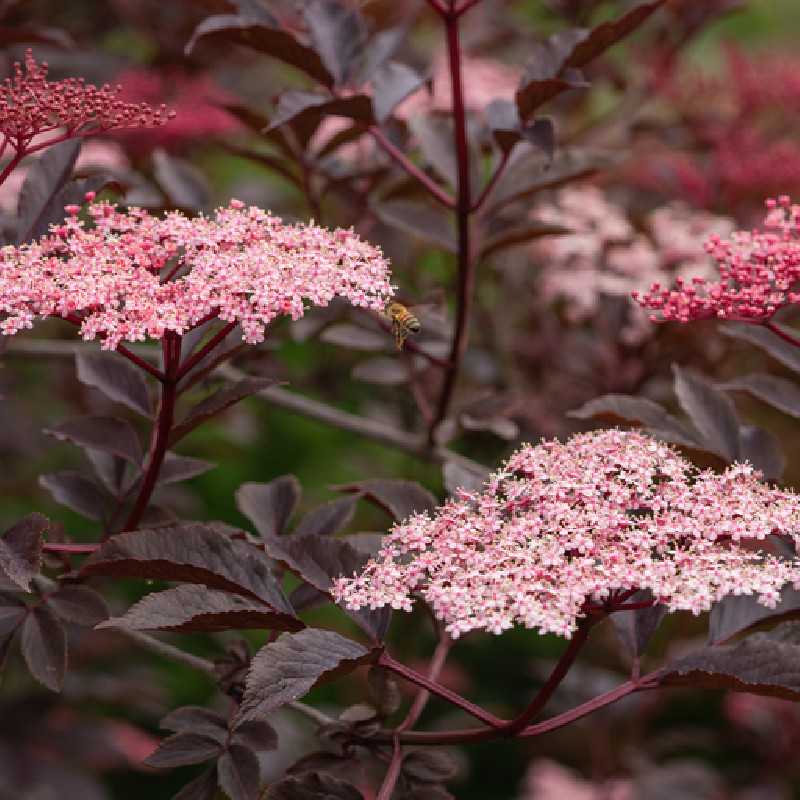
(565, 523)
(132, 275)
(758, 271)
(31, 105)
(604, 255)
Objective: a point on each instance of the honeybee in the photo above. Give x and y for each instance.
(404, 323)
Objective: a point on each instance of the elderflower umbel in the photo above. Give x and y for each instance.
(31, 105)
(132, 275)
(565, 523)
(758, 271)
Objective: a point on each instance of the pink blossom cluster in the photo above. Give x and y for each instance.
(604, 255)
(563, 524)
(547, 780)
(132, 275)
(195, 99)
(758, 271)
(31, 105)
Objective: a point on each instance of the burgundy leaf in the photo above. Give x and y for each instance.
(182, 749)
(196, 719)
(339, 36)
(397, 497)
(265, 36)
(21, 550)
(239, 773)
(43, 182)
(109, 434)
(269, 505)
(44, 647)
(203, 787)
(420, 219)
(514, 234)
(111, 470)
(391, 84)
(354, 337)
(434, 135)
(381, 371)
(180, 468)
(327, 519)
(777, 392)
(764, 663)
(221, 400)
(636, 628)
(257, 734)
(457, 476)
(766, 340)
(710, 410)
(289, 667)
(197, 608)
(507, 128)
(77, 492)
(737, 613)
(762, 450)
(116, 378)
(182, 181)
(314, 786)
(12, 613)
(78, 604)
(428, 766)
(308, 109)
(193, 553)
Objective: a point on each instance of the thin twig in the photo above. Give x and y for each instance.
(496, 175)
(778, 331)
(169, 651)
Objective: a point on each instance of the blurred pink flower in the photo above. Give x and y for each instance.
(758, 271)
(196, 100)
(604, 255)
(562, 523)
(548, 780)
(117, 277)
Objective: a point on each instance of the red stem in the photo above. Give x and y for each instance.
(498, 173)
(191, 362)
(11, 166)
(466, 265)
(441, 691)
(171, 344)
(558, 674)
(58, 547)
(787, 337)
(411, 168)
(140, 362)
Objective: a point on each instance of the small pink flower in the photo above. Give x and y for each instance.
(132, 276)
(563, 523)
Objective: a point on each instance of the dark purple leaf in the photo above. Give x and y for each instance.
(434, 135)
(684, 779)
(616, 408)
(257, 734)
(381, 371)
(269, 505)
(43, 182)
(111, 470)
(427, 792)
(21, 550)
(266, 37)
(777, 392)
(391, 84)
(397, 497)
(182, 181)
(198, 608)
(289, 667)
(239, 773)
(514, 234)
(180, 468)
(314, 786)
(507, 128)
(420, 219)
(305, 596)
(308, 109)
(193, 553)
(458, 476)
(710, 410)
(327, 519)
(203, 787)
(182, 749)
(764, 663)
(224, 398)
(762, 450)
(636, 628)
(428, 766)
(766, 340)
(15, 34)
(355, 337)
(738, 613)
(109, 434)
(116, 378)
(77, 492)
(78, 604)
(339, 36)
(196, 719)
(12, 613)
(44, 647)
